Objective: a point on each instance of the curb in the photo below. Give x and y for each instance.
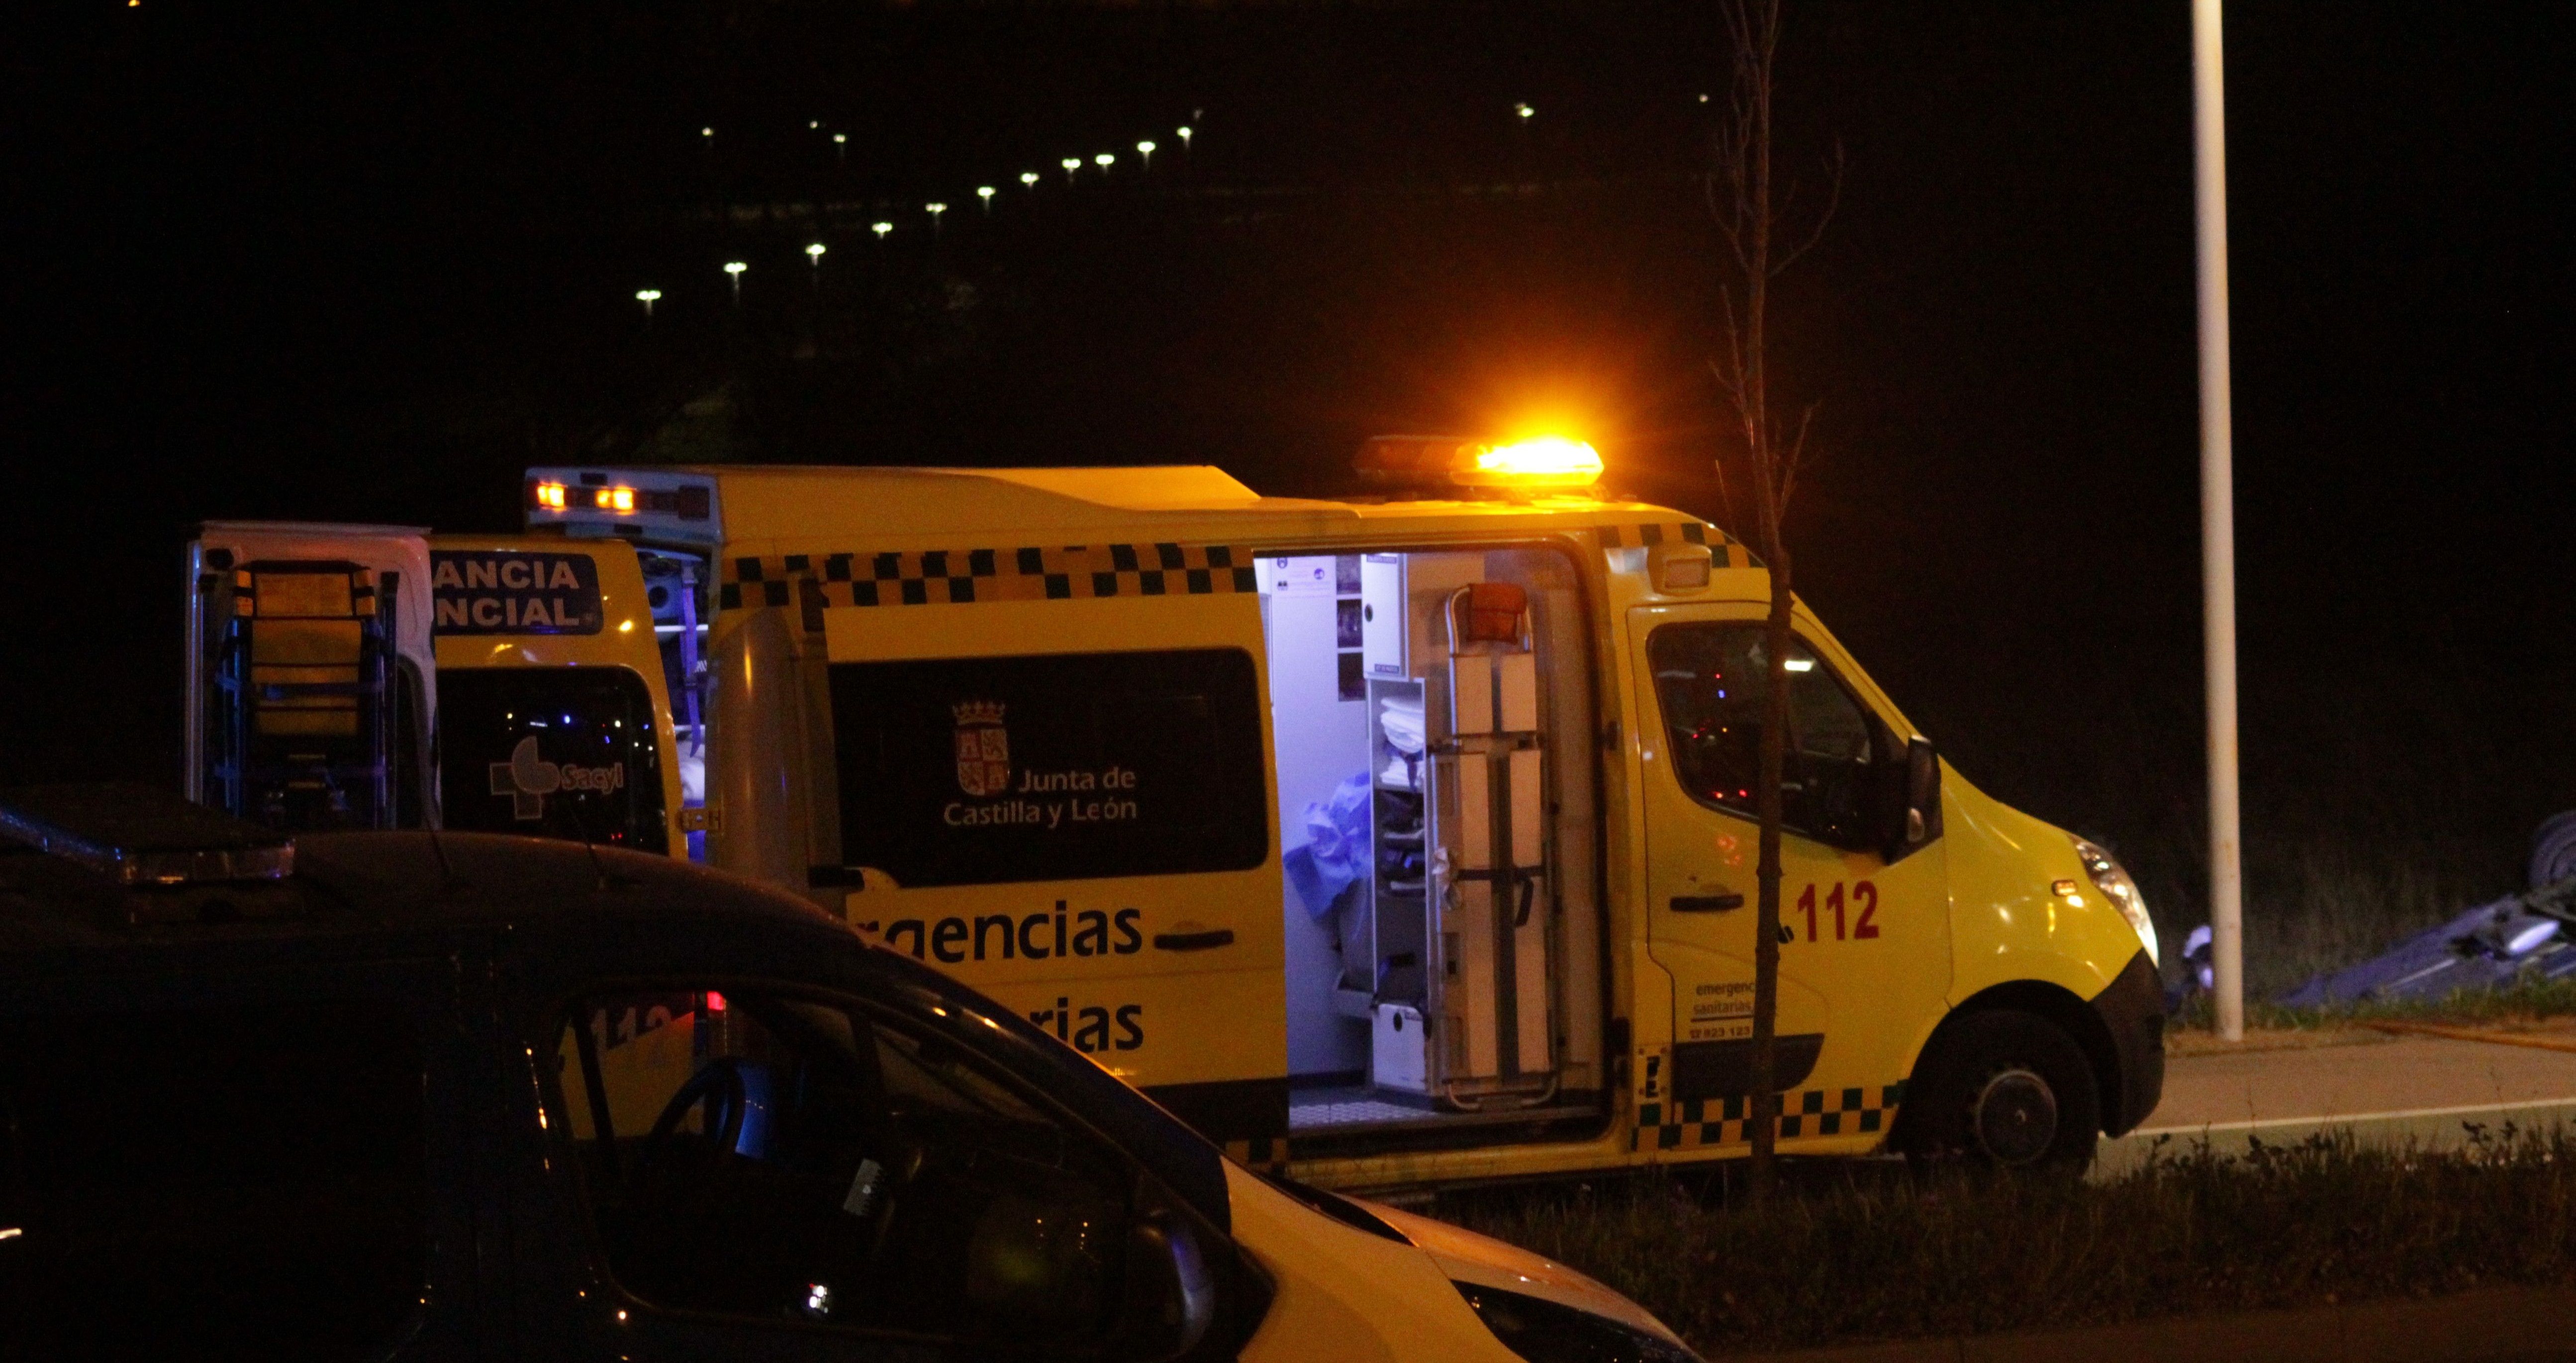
(2439, 1128)
(2485, 1323)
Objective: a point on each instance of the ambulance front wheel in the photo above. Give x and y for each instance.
(2005, 1089)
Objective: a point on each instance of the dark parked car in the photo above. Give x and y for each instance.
(411, 1095)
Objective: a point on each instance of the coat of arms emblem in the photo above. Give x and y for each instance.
(983, 748)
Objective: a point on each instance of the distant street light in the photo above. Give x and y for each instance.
(814, 253)
(1184, 133)
(1105, 160)
(733, 274)
(985, 192)
(647, 297)
(881, 228)
(934, 210)
(1071, 164)
(1526, 112)
(1029, 179)
(1145, 149)
(841, 147)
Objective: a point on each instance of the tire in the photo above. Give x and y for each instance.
(2007, 1090)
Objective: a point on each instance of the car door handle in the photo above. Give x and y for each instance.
(1706, 903)
(1194, 941)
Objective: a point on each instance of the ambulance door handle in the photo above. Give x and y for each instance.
(1706, 903)
(1194, 941)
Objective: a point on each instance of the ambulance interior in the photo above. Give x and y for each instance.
(1431, 713)
(676, 589)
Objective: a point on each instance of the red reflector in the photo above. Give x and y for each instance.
(715, 1002)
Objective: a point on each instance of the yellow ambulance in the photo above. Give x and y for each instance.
(1393, 840)
(364, 676)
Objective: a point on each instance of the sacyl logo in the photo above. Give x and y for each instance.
(528, 778)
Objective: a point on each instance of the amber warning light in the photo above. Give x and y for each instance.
(1433, 461)
(689, 502)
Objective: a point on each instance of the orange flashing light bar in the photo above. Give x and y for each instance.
(688, 503)
(1454, 461)
(616, 501)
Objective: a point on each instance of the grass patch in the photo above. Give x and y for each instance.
(1858, 1252)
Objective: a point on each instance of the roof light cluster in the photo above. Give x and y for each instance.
(577, 497)
(1418, 461)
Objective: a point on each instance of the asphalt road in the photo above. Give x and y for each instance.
(2426, 1089)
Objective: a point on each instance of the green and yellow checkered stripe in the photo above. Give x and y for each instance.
(1728, 1121)
(1723, 551)
(945, 577)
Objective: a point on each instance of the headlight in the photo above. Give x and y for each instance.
(2116, 886)
(1546, 1332)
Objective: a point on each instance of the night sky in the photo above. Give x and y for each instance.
(366, 262)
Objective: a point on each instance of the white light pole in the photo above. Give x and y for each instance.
(2217, 518)
(647, 298)
(1105, 160)
(733, 274)
(1071, 164)
(1029, 180)
(841, 147)
(934, 210)
(985, 192)
(1183, 132)
(881, 228)
(814, 253)
(1145, 149)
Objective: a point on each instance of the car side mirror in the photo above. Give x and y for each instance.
(1911, 809)
(1171, 1290)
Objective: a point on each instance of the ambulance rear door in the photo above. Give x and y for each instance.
(310, 689)
(1054, 782)
(557, 718)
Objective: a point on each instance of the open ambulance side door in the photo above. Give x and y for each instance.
(311, 684)
(1058, 793)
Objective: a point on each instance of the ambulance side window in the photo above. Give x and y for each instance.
(780, 1158)
(553, 752)
(982, 771)
(1711, 680)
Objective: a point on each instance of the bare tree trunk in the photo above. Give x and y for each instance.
(1740, 197)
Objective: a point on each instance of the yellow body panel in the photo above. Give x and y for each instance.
(869, 564)
(2007, 923)
(1344, 1294)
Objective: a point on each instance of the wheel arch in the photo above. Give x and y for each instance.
(2059, 1007)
